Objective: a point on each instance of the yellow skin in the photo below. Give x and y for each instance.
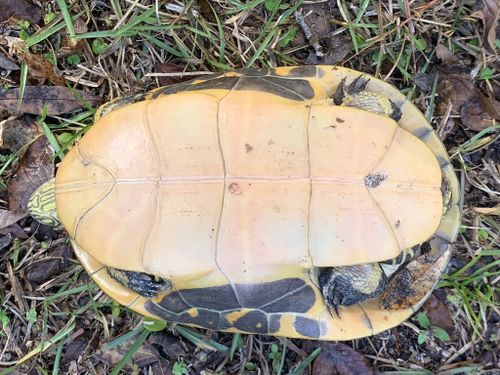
(89, 210)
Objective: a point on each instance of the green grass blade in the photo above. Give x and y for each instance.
(67, 17)
(130, 353)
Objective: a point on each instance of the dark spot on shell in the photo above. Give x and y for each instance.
(274, 323)
(374, 180)
(397, 224)
(254, 321)
(307, 327)
(303, 71)
(235, 188)
(339, 120)
(248, 148)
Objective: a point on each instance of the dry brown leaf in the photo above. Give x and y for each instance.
(6, 63)
(15, 133)
(7, 218)
(340, 359)
(58, 100)
(476, 110)
(489, 13)
(206, 10)
(491, 106)
(170, 345)
(453, 88)
(71, 45)
(474, 116)
(439, 314)
(20, 10)
(446, 56)
(43, 269)
(40, 68)
(36, 167)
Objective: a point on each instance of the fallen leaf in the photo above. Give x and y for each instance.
(112, 356)
(56, 260)
(58, 100)
(15, 230)
(170, 345)
(39, 67)
(453, 88)
(424, 81)
(491, 106)
(16, 133)
(489, 13)
(335, 49)
(77, 347)
(204, 358)
(20, 10)
(474, 116)
(446, 55)
(438, 314)
(146, 355)
(448, 128)
(7, 218)
(5, 241)
(206, 11)
(36, 167)
(71, 45)
(6, 63)
(340, 359)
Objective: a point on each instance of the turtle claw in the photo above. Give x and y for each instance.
(355, 95)
(355, 87)
(142, 283)
(349, 285)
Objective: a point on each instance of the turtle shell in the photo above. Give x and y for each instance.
(235, 187)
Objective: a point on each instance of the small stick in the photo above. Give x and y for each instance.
(308, 33)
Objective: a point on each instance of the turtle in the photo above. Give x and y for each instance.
(311, 202)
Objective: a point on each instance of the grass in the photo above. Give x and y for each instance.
(124, 43)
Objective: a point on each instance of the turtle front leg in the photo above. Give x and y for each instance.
(351, 284)
(356, 96)
(142, 283)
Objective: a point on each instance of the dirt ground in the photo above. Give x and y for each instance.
(443, 55)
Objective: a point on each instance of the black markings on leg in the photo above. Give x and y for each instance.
(356, 86)
(345, 286)
(400, 290)
(142, 283)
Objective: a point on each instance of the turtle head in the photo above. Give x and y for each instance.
(42, 204)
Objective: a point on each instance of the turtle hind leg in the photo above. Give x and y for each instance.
(345, 286)
(142, 283)
(356, 96)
